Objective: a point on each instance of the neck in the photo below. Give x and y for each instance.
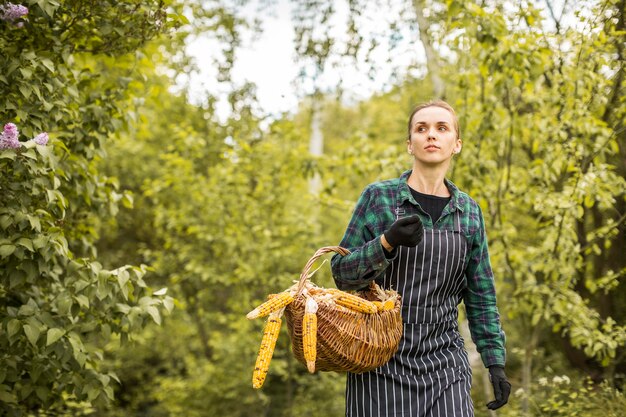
(429, 180)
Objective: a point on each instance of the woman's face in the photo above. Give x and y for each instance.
(433, 138)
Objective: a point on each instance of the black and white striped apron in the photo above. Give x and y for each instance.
(430, 374)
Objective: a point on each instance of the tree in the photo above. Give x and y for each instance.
(544, 120)
(58, 304)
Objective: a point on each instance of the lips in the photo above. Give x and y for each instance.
(431, 147)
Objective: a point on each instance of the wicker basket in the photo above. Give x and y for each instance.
(347, 340)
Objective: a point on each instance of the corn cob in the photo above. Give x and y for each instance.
(355, 303)
(271, 305)
(309, 333)
(379, 305)
(389, 304)
(268, 343)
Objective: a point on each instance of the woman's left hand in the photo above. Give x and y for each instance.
(501, 387)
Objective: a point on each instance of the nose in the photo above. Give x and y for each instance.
(431, 133)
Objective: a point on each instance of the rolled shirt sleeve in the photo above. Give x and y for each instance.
(367, 259)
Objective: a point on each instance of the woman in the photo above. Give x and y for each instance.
(422, 236)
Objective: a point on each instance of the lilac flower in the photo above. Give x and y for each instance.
(11, 12)
(41, 139)
(8, 138)
(8, 143)
(10, 131)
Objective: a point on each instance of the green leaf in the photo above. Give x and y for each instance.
(162, 291)
(30, 55)
(35, 224)
(168, 303)
(127, 200)
(154, 313)
(122, 277)
(48, 6)
(18, 277)
(13, 327)
(40, 242)
(31, 269)
(32, 333)
(83, 301)
(27, 243)
(108, 390)
(7, 397)
(42, 393)
(8, 154)
(64, 304)
(26, 90)
(123, 308)
(92, 393)
(5, 221)
(6, 250)
(26, 72)
(54, 335)
(48, 64)
(52, 196)
(28, 309)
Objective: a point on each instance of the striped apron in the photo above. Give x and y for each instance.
(430, 373)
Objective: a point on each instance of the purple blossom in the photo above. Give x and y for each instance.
(8, 138)
(8, 143)
(10, 132)
(11, 12)
(41, 139)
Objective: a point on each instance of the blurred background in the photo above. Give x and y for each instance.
(201, 151)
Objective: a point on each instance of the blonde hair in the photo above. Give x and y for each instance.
(435, 103)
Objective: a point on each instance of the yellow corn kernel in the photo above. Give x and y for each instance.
(309, 333)
(379, 305)
(271, 305)
(389, 304)
(355, 303)
(268, 343)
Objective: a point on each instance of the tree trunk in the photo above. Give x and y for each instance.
(316, 141)
(432, 60)
(527, 369)
(191, 297)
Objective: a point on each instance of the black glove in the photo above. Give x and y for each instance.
(407, 231)
(501, 387)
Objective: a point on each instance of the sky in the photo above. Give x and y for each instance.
(266, 62)
(269, 62)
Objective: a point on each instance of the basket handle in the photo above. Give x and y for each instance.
(304, 276)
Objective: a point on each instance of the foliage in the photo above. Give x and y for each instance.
(214, 220)
(561, 396)
(507, 84)
(58, 304)
(222, 214)
(547, 124)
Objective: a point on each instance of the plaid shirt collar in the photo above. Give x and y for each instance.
(457, 201)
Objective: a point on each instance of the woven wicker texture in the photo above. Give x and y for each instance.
(347, 340)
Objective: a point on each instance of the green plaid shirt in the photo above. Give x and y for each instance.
(375, 211)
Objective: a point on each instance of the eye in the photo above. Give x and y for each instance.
(443, 128)
(420, 129)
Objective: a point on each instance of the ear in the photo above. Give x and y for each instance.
(459, 145)
(409, 147)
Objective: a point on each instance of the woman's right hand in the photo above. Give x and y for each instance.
(407, 231)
